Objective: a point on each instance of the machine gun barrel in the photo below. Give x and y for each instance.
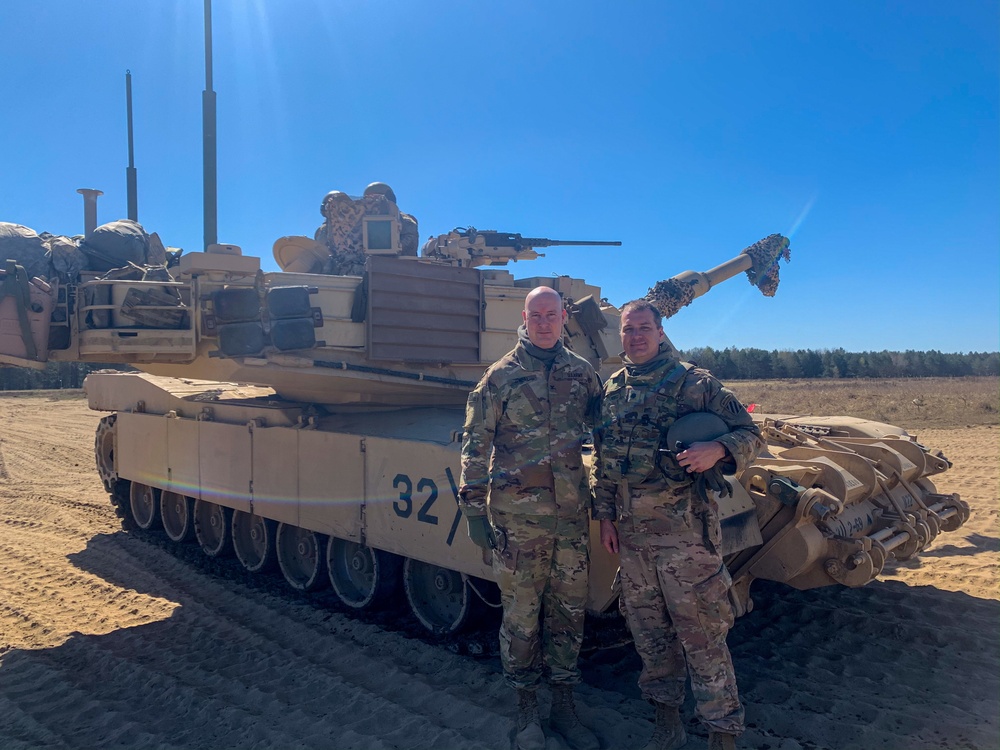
(542, 242)
(478, 247)
(513, 239)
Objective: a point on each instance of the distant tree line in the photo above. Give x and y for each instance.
(55, 375)
(726, 364)
(759, 364)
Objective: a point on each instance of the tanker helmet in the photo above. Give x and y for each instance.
(333, 195)
(380, 188)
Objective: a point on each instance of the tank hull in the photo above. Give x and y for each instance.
(828, 503)
(385, 479)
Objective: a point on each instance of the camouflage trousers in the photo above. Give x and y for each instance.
(675, 592)
(542, 573)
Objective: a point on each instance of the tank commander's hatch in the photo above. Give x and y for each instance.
(418, 312)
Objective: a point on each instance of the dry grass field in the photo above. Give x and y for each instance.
(910, 403)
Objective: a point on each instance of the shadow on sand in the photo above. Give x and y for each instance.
(885, 666)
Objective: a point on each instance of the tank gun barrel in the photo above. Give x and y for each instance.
(759, 261)
(702, 281)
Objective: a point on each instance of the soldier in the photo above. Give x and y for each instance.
(525, 426)
(340, 232)
(674, 584)
(343, 230)
(409, 236)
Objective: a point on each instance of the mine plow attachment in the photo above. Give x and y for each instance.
(901, 467)
(833, 509)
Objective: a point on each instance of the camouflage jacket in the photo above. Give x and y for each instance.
(343, 233)
(524, 433)
(640, 403)
(409, 234)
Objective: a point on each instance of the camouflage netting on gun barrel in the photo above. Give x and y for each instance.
(670, 296)
(765, 255)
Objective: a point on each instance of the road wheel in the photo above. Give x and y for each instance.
(211, 527)
(177, 515)
(301, 558)
(145, 504)
(362, 577)
(253, 541)
(439, 597)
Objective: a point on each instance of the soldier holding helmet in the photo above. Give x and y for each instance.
(674, 583)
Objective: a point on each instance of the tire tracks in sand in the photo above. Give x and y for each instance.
(109, 639)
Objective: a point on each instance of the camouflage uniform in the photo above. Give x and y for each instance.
(343, 233)
(409, 235)
(674, 584)
(524, 430)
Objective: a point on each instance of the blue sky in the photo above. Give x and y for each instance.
(866, 132)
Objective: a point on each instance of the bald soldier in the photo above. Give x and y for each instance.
(525, 493)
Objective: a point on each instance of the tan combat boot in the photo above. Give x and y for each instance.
(529, 725)
(721, 741)
(668, 734)
(564, 720)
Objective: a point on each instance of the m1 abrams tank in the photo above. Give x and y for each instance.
(313, 422)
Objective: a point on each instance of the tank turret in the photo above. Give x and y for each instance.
(406, 330)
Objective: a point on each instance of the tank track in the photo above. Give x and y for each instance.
(478, 640)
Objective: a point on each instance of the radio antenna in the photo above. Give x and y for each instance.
(208, 138)
(130, 174)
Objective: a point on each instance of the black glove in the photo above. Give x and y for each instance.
(699, 427)
(481, 532)
(714, 480)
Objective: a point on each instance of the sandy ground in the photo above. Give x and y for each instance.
(107, 640)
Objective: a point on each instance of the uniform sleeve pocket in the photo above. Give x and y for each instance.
(474, 412)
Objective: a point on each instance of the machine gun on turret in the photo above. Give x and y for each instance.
(473, 247)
